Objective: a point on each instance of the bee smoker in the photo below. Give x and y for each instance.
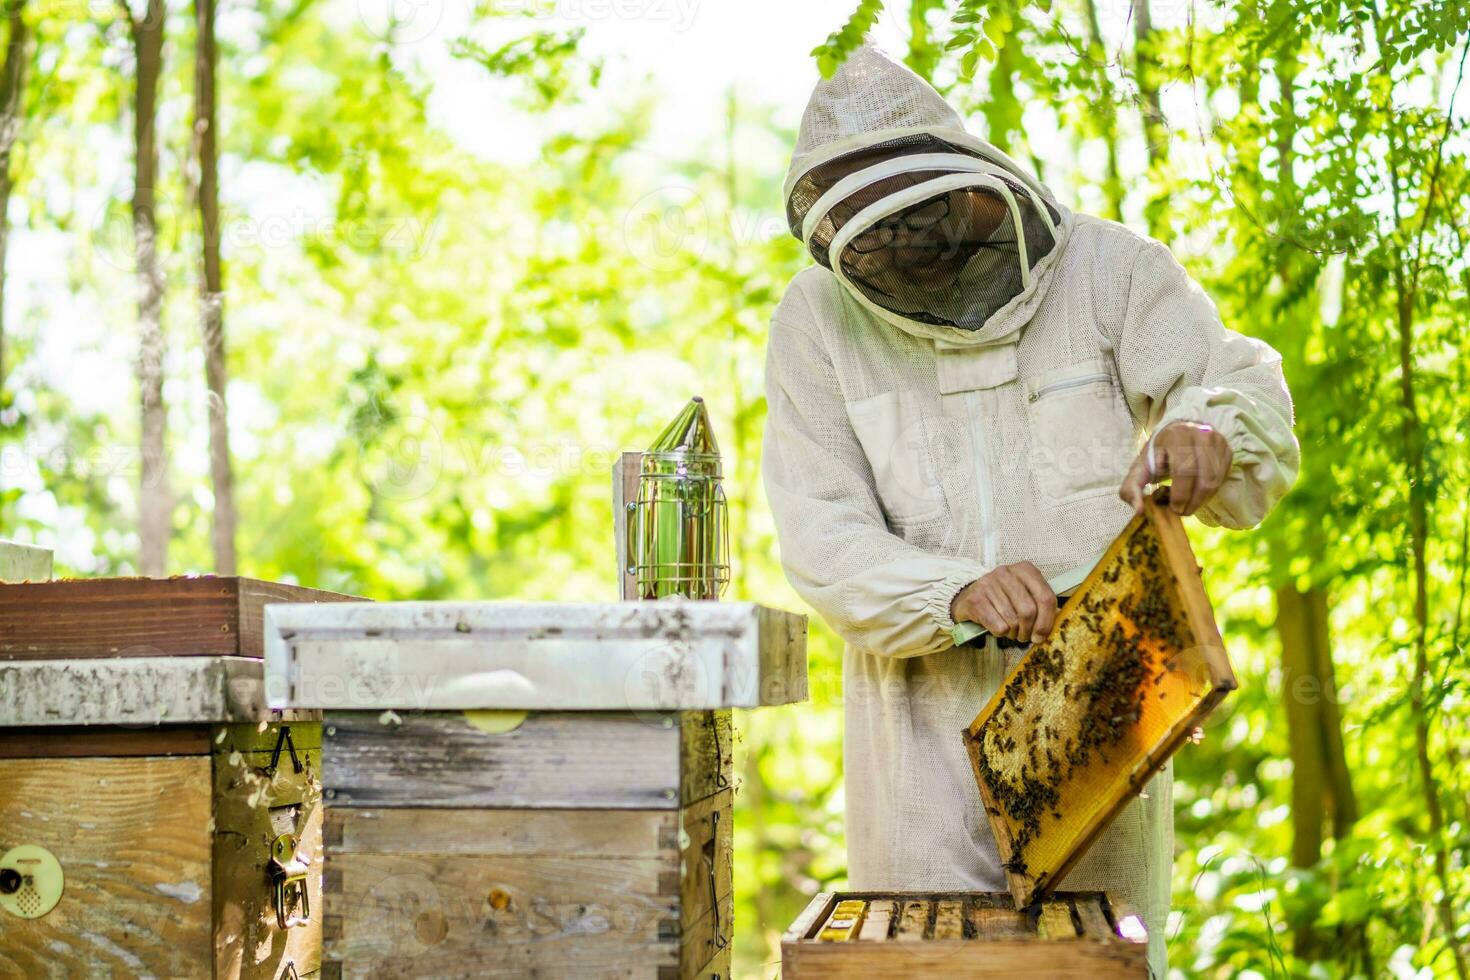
(676, 538)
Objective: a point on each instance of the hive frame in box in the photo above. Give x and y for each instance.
(1212, 659)
(1073, 934)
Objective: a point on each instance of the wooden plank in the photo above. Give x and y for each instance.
(254, 594)
(253, 805)
(706, 754)
(1095, 924)
(1215, 667)
(959, 959)
(1014, 950)
(132, 837)
(1023, 740)
(878, 922)
(949, 919)
(553, 760)
(503, 833)
(994, 919)
(140, 617)
(706, 936)
(718, 968)
(24, 562)
(783, 674)
(76, 741)
(680, 858)
(134, 691)
(1054, 920)
(707, 834)
(450, 915)
(913, 921)
(625, 471)
(811, 918)
(118, 617)
(626, 656)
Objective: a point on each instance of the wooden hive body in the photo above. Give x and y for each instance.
(1086, 718)
(154, 780)
(963, 936)
(587, 844)
(531, 789)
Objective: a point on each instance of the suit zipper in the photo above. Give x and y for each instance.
(1086, 379)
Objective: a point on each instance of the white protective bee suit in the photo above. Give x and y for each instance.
(916, 441)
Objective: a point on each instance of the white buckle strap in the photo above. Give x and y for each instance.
(901, 199)
(957, 163)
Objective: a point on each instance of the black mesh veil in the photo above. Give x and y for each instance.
(952, 257)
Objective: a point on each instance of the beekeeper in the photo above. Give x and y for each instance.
(967, 395)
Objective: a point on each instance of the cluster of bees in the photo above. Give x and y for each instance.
(1075, 696)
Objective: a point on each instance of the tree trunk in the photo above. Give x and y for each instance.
(211, 299)
(1321, 787)
(154, 500)
(1107, 110)
(1413, 442)
(1145, 65)
(1406, 287)
(12, 90)
(1321, 784)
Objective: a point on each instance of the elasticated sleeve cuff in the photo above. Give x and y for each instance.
(942, 593)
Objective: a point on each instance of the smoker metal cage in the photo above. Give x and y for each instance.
(678, 528)
(677, 524)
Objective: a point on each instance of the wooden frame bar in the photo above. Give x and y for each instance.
(962, 936)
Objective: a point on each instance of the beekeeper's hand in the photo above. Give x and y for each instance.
(1194, 457)
(1013, 601)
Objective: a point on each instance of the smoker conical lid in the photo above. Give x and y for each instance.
(690, 432)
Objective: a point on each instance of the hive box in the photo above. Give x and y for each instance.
(136, 747)
(963, 936)
(530, 789)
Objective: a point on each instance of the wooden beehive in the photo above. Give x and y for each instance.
(552, 835)
(1087, 717)
(963, 935)
(137, 748)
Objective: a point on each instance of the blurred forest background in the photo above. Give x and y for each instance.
(431, 355)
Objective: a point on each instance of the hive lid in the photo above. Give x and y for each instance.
(122, 618)
(664, 655)
(1087, 717)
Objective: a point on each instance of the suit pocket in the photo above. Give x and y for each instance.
(1083, 437)
(900, 442)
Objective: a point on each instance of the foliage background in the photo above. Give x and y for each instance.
(436, 354)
